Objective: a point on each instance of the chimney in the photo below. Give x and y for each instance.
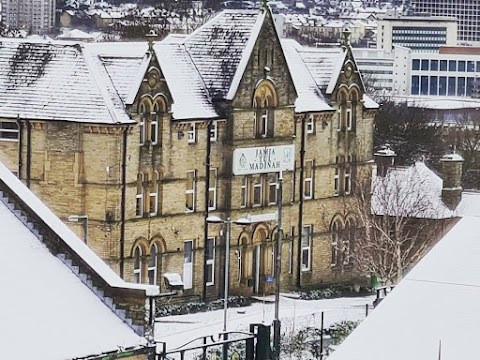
(384, 158)
(452, 179)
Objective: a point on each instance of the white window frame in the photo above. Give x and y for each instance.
(213, 131)
(142, 124)
(191, 134)
(339, 120)
(307, 248)
(347, 242)
(137, 272)
(139, 197)
(336, 182)
(154, 194)
(244, 193)
(153, 268)
(190, 192)
(240, 264)
(4, 131)
(258, 185)
(349, 116)
(347, 180)
(261, 118)
(336, 228)
(273, 183)
(308, 181)
(212, 190)
(211, 262)
(310, 125)
(154, 124)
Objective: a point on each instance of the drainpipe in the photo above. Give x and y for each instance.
(207, 199)
(300, 205)
(123, 201)
(29, 153)
(20, 146)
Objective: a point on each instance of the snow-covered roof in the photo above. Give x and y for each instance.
(190, 97)
(433, 312)
(58, 315)
(55, 81)
(310, 98)
(220, 48)
(439, 102)
(75, 34)
(414, 191)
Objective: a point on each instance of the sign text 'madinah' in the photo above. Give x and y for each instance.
(264, 159)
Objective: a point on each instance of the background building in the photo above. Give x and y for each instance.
(34, 16)
(465, 11)
(419, 33)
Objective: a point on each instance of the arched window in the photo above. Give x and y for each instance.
(154, 124)
(144, 111)
(348, 240)
(264, 101)
(352, 109)
(137, 264)
(154, 190)
(152, 265)
(336, 241)
(343, 112)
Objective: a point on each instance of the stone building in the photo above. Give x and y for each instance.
(37, 17)
(137, 142)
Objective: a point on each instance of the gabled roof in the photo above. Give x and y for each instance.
(433, 312)
(220, 48)
(310, 98)
(61, 316)
(55, 81)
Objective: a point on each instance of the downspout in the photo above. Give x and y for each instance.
(207, 200)
(300, 205)
(123, 201)
(29, 153)
(20, 146)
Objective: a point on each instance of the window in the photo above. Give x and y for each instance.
(335, 242)
(349, 116)
(290, 250)
(261, 123)
(339, 120)
(152, 265)
(350, 237)
(244, 195)
(336, 182)
(433, 85)
(8, 130)
(139, 196)
(308, 181)
(210, 260)
(142, 123)
(424, 85)
(452, 65)
(348, 180)
(470, 66)
(434, 65)
(190, 191)
(154, 187)
(310, 124)
(212, 190)
(442, 85)
(460, 86)
(415, 64)
(257, 191)
(306, 247)
(424, 64)
(191, 134)
(239, 264)
(272, 189)
(461, 65)
(137, 265)
(415, 85)
(451, 86)
(213, 131)
(443, 65)
(154, 124)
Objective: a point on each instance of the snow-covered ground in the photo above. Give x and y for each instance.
(294, 314)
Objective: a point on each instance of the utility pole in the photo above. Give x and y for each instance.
(278, 270)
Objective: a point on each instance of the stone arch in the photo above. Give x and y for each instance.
(265, 95)
(261, 233)
(161, 101)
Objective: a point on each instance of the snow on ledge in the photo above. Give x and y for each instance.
(68, 236)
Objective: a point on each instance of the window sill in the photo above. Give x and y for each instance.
(9, 140)
(210, 284)
(306, 270)
(189, 211)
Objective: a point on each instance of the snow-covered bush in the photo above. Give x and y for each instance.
(200, 306)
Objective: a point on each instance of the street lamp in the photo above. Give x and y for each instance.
(213, 219)
(84, 219)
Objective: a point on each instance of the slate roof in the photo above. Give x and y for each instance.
(310, 98)
(218, 47)
(54, 81)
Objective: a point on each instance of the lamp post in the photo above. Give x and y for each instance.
(84, 219)
(213, 219)
(278, 270)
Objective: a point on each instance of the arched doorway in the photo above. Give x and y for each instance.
(260, 258)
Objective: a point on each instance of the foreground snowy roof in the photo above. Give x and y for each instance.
(433, 312)
(46, 307)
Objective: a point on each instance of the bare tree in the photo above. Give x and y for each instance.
(399, 216)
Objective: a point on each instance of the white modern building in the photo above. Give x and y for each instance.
(33, 16)
(467, 13)
(419, 33)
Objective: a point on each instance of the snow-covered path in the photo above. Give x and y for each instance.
(294, 314)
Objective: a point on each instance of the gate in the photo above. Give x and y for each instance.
(233, 345)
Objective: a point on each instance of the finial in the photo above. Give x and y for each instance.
(152, 35)
(346, 35)
(264, 4)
